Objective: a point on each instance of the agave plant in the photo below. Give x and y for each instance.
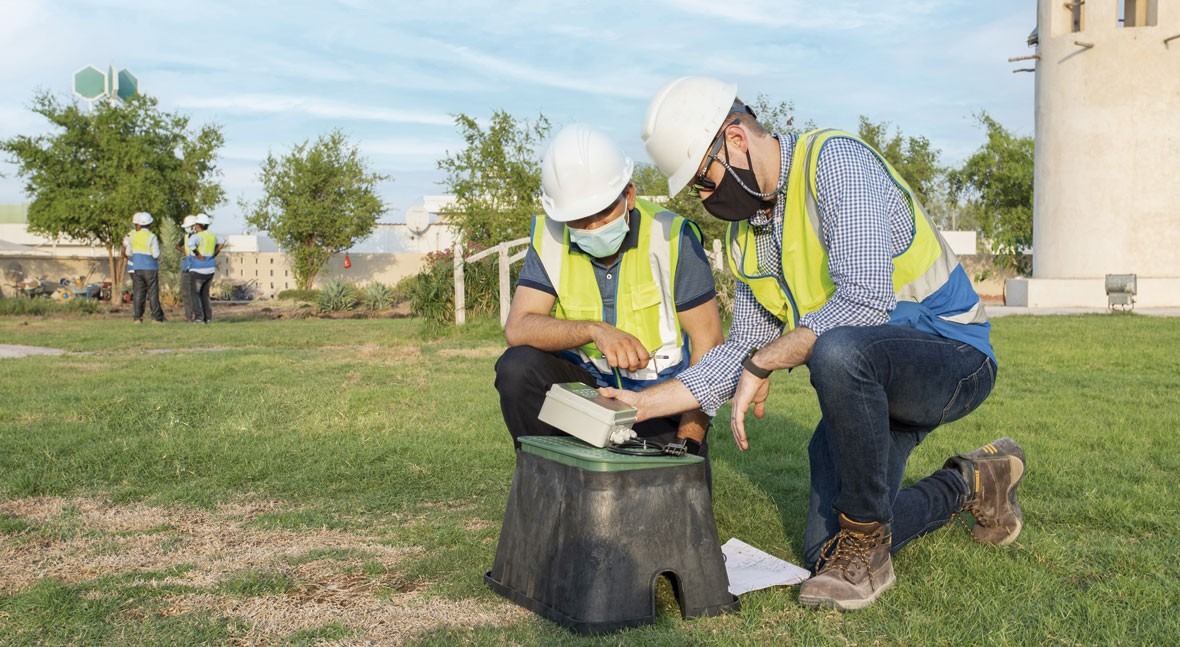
(337, 296)
(378, 296)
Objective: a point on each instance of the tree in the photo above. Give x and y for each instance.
(913, 157)
(996, 186)
(496, 179)
(318, 200)
(94, 171)
(778, 118)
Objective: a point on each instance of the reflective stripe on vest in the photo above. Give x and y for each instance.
(918, 271)
(645, 305)
(141, 250)
(206, 245)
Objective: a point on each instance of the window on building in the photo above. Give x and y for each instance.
(1138, 13)
(1077, 15)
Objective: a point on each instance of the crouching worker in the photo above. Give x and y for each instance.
(614, 291)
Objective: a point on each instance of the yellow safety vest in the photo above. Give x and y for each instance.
(918, 271)
(141, 250)
(645, 305)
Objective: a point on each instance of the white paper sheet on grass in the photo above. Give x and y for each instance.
(750, 569)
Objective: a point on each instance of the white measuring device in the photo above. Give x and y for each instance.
(581, 411)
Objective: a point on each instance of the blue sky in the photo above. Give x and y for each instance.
(391, 74)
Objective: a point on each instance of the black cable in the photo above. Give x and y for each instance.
(638, 447)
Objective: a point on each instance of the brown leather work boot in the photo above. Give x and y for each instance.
(993, 472)
(854, 568)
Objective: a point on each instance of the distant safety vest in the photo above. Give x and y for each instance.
(141, 250)
(926, 273)
(186, 253)
(206, 245)
(645, 305)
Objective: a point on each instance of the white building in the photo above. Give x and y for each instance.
(1107, 200)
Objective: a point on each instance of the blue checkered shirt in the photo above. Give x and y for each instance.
(865, 221)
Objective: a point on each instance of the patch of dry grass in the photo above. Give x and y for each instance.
(338, 578)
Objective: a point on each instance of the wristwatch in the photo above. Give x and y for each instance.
(754, 369)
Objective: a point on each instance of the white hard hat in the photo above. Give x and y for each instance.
(582, 173)
(188, 222)
(681, 122)
(143, 219)
(202, 219)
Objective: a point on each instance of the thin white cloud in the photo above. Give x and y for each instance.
(806, 14)
(485, 63)
(319, 108)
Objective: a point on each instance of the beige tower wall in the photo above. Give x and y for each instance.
(1107, 197)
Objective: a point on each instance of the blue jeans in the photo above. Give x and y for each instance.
(881, 389)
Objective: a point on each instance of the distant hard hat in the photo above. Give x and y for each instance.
(583, 172)
(143, 219)
(188, 222)
(202, 219)
(681, 122)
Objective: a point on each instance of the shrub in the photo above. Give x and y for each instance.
(337, 296)
(43, 306)
(377, 296)
(432, 291)
(222, 291)
(308, 296)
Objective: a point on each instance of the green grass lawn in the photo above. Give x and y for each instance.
(318, 480)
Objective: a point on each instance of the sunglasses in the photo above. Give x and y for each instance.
(701, 182)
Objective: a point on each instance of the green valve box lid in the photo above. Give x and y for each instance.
(574, 452)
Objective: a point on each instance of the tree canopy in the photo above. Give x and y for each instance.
(996, 186)
(913, 157)
(88, 176)
(318, 200)
(496, 178)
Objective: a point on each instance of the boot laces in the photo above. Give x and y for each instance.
(846, 550)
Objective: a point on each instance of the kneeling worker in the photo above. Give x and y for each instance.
(615, 291)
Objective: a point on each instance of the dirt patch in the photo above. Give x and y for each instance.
(334, 577)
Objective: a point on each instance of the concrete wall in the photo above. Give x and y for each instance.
(269, 273)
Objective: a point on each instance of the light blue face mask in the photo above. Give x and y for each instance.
(605, 240)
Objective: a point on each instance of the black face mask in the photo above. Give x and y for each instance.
(729, 201)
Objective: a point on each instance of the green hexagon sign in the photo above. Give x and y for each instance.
(90, 83)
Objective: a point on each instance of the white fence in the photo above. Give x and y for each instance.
(505, 261)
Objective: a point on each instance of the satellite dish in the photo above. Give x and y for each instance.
(417, 219)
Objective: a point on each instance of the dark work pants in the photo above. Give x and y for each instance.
(881, 390)
(186, 295)
(145, 285)
(199, 285)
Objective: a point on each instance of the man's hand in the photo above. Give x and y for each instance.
(664, 399)
(621, 349)
(751, 389)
